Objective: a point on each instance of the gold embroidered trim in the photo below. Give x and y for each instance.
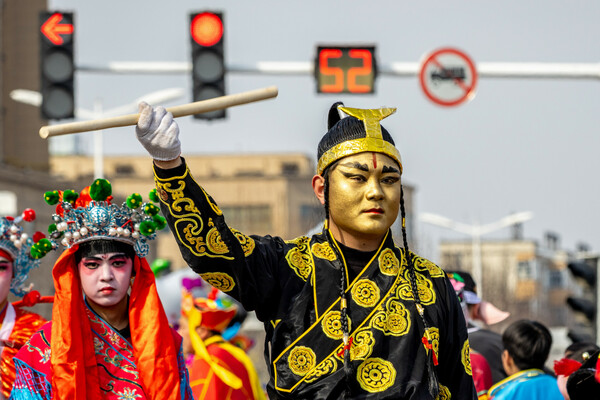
(362, 346)
(433, 334)
(394, 320)
(215, 243)
(365, 293)
(388, 263)
(444, 393)
(220, 280)
(275, 322)
(422, 265)
(301, 360)
(356, 146)
(247, 242)
(299, 258)
(466, 357)
(424, 287)
(326, 367)
(323, 250)
(376, 375)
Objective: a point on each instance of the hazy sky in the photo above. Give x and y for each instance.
(520, 144)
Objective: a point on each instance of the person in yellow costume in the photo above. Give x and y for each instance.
(347, 312)
(218, 369)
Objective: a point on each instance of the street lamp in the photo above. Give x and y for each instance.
(476, 231)
(35, 99)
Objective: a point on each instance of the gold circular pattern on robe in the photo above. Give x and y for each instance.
(376, 375)
(246, 241)
(301, 360)
(365, 293)
(323, 250)
(327, 367)
(466, 357)
(220, 280)
(332, 325)
(215, 243)
(388, 263)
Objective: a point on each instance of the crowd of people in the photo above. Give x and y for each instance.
(349, 312)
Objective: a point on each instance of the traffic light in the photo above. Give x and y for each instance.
(585, 272)
(56, 65)
(208, 59)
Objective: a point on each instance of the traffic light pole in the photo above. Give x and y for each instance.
(598, 300)
(399, 69)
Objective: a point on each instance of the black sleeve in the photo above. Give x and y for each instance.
(244, 267)
(455, 361)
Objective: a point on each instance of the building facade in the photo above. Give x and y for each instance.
(520, 276)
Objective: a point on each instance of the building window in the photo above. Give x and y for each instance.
(311, 217)
(289, 169)
(526, 270)
(124, 169)
(249, 219)
(555, 279)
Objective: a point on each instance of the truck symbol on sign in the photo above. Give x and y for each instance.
(449, 73)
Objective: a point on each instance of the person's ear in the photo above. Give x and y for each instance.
(318, 184)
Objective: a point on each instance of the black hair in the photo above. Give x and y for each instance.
(528, 343)
(341, 130)
(576, 351)
(582, 383)
(103, 246)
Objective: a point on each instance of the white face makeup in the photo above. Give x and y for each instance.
(6, 275)
(364, 195)
(105, 277)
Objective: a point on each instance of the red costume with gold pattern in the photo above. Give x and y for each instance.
(17, 327)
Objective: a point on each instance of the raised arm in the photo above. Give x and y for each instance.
(242, 266)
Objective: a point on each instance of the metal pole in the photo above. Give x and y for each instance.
(98, 145)
(477, 264)
(402, 69)
(597, 300)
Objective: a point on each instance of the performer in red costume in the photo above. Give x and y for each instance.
(17, 324)
(109, 337)
(218, 369)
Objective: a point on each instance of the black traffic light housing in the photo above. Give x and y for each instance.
(208, 59)
(585, 271)
(57, 67)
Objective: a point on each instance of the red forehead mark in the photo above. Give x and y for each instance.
(374, 161)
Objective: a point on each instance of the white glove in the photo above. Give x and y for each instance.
(158, 132)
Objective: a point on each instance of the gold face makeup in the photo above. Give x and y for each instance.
(364, 196)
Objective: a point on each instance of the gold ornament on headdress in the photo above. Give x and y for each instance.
(373, 142)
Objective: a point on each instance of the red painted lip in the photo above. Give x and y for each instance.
(374, 211)
(107, 290)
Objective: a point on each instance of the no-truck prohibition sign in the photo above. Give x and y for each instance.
(448, 77)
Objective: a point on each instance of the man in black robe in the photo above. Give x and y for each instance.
(347, 313)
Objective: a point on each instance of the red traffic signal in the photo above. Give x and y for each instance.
(54, 30)
(206, 29)
(208, 59)
(57, 67)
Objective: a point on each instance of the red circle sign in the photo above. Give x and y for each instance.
(448, 77)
